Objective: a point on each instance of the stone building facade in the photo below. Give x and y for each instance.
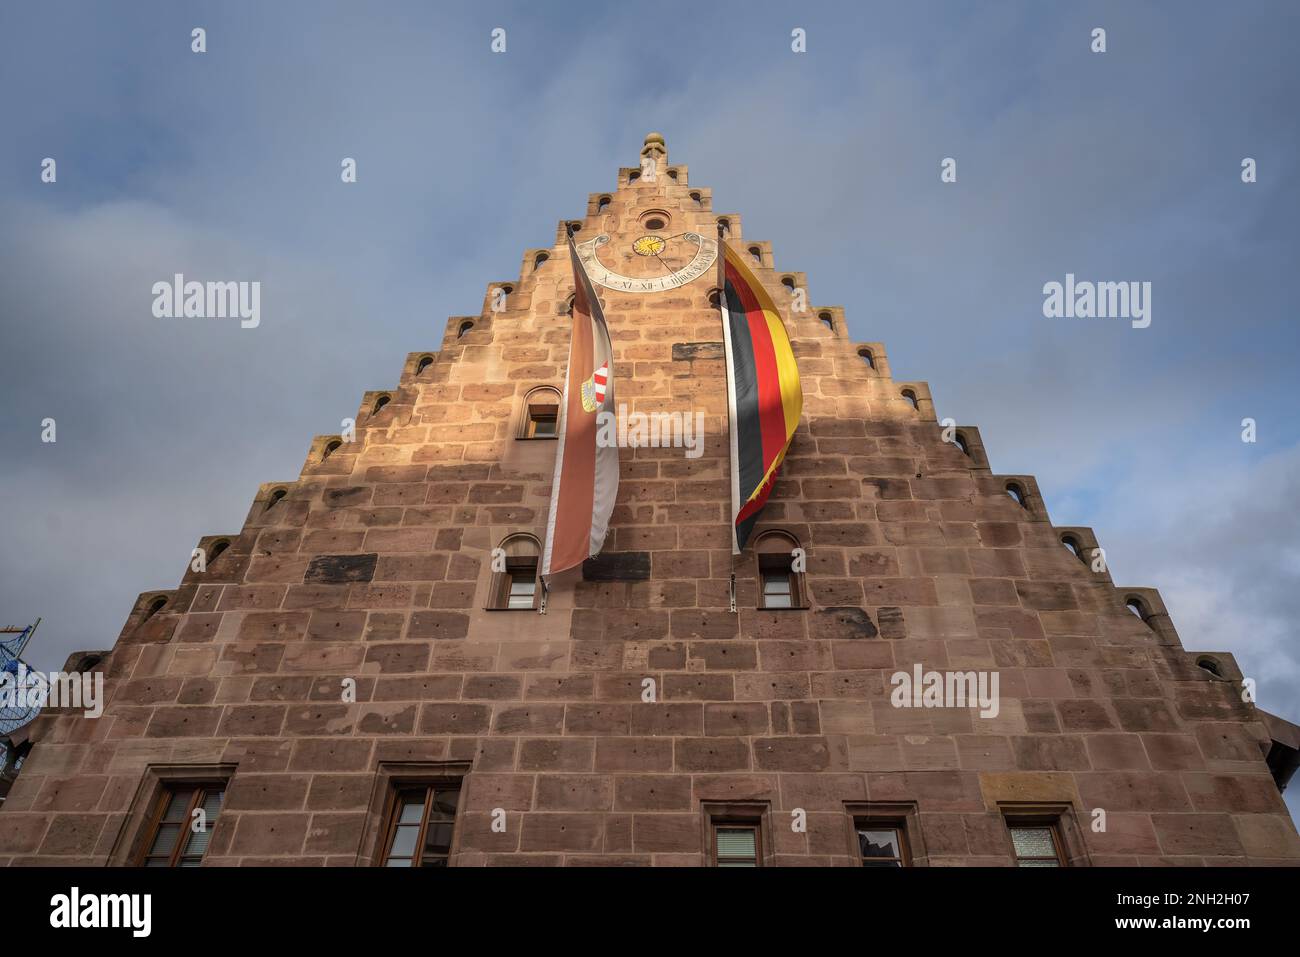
(337, 672)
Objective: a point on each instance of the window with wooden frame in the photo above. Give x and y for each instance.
(514, 584)
(1036, 842)
(780, 571)
(733, 833)
(881, 843)
(737, 844)
(182, 823)
(541, 414)
(420, 826)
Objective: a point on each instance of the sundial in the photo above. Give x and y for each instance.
(663, 251)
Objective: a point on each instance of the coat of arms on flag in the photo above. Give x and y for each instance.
(593, 390)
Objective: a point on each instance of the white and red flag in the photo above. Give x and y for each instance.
(586, 471)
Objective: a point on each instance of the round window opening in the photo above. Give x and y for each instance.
(654, 222)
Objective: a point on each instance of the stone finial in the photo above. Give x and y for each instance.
(654, 139)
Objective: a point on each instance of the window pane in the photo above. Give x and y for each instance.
(776, 583)
(412, 810)
(521, 593)
(1033, 842)
(164, 841)
(198, 842)
(543, 424)
(1030, 862)
(878, 843)
(404, 841)
(437, 838)
(176, 807)
(736, 842)
(444, 802)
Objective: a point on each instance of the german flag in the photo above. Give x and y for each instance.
(763, 394)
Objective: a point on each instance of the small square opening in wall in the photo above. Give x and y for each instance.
(414, 811)
(736, 834)
(542, 421)
(885, 835)
(173, 817)
(182, 825)
(421, 824)
(1043, 835)
(514, 586)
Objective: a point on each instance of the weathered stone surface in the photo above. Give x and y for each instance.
(336, 569)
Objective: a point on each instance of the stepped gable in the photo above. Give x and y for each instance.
(373, 570)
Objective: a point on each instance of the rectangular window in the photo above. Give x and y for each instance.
(881, 845)
(420, 827)
(182, 825)
(736, 845)
(521, 583)
(1036, 844)
(780, 585)
(542, 421)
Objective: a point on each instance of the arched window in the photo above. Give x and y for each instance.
(574, 227)
(1206, 663)
(331, 447)
(602, 203)
(725, 226)
(1072, 543)
(672, 174)
(1017, 493)
(910, 396)
(514, 586)
(380, 402)
(715, 298)
(424, 363)
(960, 441)
(541, 414)
(1136, 605)
(155, 606)
(538, 260)
(275, 498)
(633, 176)
(699, 200)
(867, 357)
(780, 571)
(215, 550)
(464, 328)
(788, 282)
(757, 254)
(827, 320)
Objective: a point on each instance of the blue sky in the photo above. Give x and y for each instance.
(1118, 166)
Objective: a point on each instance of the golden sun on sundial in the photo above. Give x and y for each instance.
(704, 254)
(649, 246)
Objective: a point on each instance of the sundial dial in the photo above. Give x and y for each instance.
(694, 253)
